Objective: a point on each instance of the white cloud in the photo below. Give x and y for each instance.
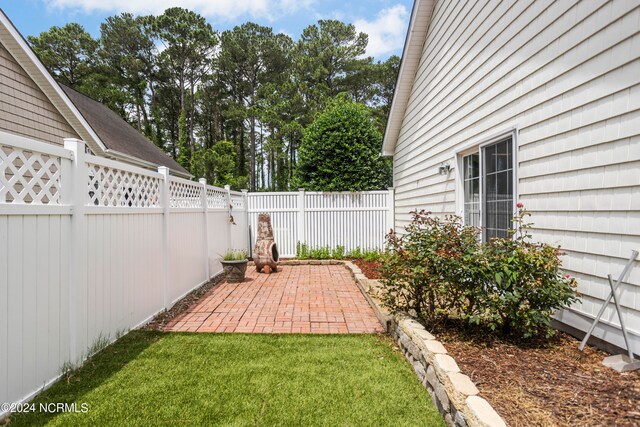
(386, 32)
(220, 9)
(291, 6)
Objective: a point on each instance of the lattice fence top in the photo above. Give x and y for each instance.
(216, 198)
(237, 202)
(184, 194)
(117, 188)
(29, 177)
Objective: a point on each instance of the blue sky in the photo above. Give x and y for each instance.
(384, 20)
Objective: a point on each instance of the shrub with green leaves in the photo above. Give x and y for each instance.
(304, 251)
(337, 252)
(439, 268)
(526, 284)
(430, 271)
(356, 253)
(371, 256)
(341, 151)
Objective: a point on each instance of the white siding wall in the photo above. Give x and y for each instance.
(566, 74)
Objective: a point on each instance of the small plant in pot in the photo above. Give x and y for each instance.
(234, 263)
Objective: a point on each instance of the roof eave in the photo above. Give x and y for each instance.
(421, 15)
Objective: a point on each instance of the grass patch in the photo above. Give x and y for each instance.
(151, 378)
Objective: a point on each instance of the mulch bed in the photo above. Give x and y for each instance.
(369, 268)
(540, 384)
(545, 385)
(158, 323)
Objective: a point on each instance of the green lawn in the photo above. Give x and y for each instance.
(153, 378)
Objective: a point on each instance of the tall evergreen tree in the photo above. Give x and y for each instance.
(329, 54)
(256, 93)
(341, 151)
(249, 57)
(67, 52)
(189, 43)
(129, 55)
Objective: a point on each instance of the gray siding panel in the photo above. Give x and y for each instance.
(25, 109)
(566, 75)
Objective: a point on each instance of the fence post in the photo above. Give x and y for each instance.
(391, 209)
(228, 190)
(75, 191)
(302, 238)
(166, 204)
(245, 193)
(205, 209)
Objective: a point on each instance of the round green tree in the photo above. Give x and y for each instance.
(341, 151)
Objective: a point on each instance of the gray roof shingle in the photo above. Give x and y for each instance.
(117, 134)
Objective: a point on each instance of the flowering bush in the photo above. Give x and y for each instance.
(438, 268)
(527, 285)
(429, 271)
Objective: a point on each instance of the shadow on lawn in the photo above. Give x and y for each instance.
(156, 378)
(95, 371)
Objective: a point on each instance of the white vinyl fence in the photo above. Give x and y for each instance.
(349, 219)
(90, 247)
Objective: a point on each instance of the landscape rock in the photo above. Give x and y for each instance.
(434, 347)
(423, 334)
(443, 364)
(459, 420)
(419, 368)
(431, 376)
(448, 420)
(453, 393)
(459, 387)
(479, 412)
(441, 394)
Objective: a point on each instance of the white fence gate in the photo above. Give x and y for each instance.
(90, 247)
(349, 219)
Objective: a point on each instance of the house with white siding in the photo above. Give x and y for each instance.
(531, 101)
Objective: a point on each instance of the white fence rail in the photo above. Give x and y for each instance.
(90, 247)
(321, 219)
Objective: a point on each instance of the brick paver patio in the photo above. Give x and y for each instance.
(299, 299)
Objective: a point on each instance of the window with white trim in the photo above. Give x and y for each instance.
(488, 188)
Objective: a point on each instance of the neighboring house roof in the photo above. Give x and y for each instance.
(416, 36)
(118, 135)
(147, 155)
